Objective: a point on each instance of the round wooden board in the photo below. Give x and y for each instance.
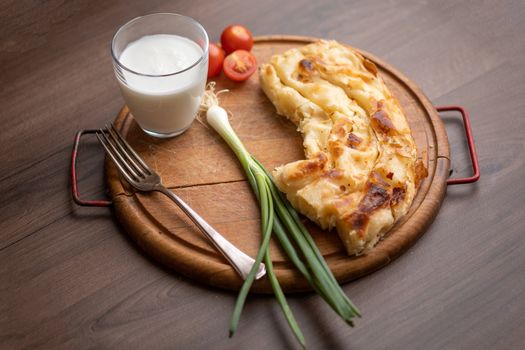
(201, 169)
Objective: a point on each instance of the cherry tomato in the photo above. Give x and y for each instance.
(236, 37)
(239, 65)
(215, 58)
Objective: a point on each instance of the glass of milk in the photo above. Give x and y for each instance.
(161, 64)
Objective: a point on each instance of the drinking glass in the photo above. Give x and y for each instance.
(163, 105)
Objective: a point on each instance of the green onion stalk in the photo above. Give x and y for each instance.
(278, 216)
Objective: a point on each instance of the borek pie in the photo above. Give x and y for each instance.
(359, 174)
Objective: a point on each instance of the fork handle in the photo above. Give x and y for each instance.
(241, 262)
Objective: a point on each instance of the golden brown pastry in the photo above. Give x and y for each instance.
(359, 174)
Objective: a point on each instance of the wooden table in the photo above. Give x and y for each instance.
(70, 277)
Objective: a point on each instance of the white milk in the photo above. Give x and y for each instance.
(163, 105)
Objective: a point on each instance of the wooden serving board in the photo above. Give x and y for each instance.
(202, 170)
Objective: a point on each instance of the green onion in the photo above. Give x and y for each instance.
(279, 216)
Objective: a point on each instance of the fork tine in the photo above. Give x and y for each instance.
(115, 160)
(131, 150)
(116, 154)
(124, 151)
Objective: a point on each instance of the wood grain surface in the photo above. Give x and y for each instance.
(199, 166)
(70, 277)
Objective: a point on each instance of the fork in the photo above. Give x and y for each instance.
(144, 179)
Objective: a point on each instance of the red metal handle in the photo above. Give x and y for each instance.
(471, 146)
(74, 186)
